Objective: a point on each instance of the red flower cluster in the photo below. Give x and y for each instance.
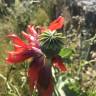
(39, 73)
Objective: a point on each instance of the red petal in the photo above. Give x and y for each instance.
(40, 29)
(23, 54)
(32, 31)
(48, 91)
(45, 83)
(32, 77)
(31, 39)
(17, 40)
(17, 47)
(33, 71)
(28, 37)
(58, 62)
(57, 24)
(16, 56)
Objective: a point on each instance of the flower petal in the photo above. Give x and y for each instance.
(57, 24)
(58, 62)
(23, 54)
(33, 71)
(17, 47)
(32, 76)
(17, 40)
(28, 37)
(49, 90)
(32, 31)
(32, 41)
(45, 84)
(16, 56)
(40, 29)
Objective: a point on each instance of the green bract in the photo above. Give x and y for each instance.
(51, 42)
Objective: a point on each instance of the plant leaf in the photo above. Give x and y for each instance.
(66, 52)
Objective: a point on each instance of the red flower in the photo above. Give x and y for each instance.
(39, 73)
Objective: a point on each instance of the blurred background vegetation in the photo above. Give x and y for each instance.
(79, 52)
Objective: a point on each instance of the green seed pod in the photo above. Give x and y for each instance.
(51, 42)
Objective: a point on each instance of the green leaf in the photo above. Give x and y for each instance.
(66, 52)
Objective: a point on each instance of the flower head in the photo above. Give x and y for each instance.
(39, 73)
